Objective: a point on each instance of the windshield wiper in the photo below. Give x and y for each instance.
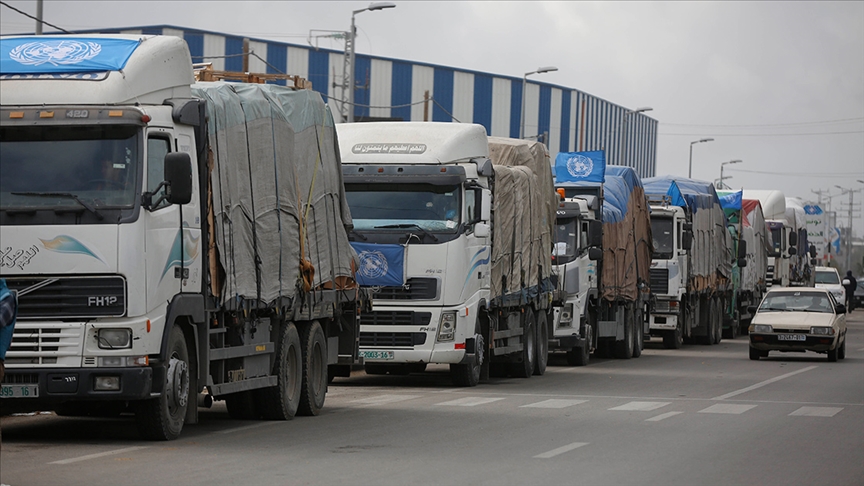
(65, 195)
(357, 234)
(408, 225)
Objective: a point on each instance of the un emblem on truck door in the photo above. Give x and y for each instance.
(580, 166)
(373, 264)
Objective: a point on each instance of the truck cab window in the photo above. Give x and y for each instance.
(566, 241)
(663, 233)
(157, 149)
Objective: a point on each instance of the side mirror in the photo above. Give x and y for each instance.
(841, 309)
(482, 230)
(813, 262)
(813, 253)
(686, 240)
(793, 240)
(742, 262)
(595, 233)
(742, 249)
(595, 254)
(178, 175)
(485, 206)
(687, 226)
(751, 309)
(792, 251)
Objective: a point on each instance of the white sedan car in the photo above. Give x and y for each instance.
(798, 319)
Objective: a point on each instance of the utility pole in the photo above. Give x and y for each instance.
(38, 17)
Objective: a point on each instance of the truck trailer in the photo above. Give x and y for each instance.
(453, 232)
(602, 257)
(172, 242)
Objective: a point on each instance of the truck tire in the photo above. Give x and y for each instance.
(674, 339)
(241, 405)
(580, 355)
(638, 335)
(281, 402)
(542, 345)
(314, 379)
(525, 367)
(468, 374)
(162, 418)
(718, 320)
(624, 348)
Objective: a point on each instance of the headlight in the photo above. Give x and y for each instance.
(823, 331)
(114, 338)
(447, 328)
(761, 328)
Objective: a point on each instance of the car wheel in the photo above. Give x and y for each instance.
(842, 352)
(832, 354)
(755, 354)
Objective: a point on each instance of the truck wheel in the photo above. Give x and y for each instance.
(624, 348)
(638, 335)
(579, 356)
(241, 406)
(162, 418)
(718, 321)
(542, 346)
(674, 339)
(525, 367)
(280, 402)
(314, 370)
(468, 374)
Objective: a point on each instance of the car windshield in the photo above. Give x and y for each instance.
(796, 301)
(827, 277)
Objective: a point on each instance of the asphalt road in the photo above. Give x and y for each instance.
(698, 415)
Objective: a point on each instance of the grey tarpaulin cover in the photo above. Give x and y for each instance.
(524, 219)
(274, 165)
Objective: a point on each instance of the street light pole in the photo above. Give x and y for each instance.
(690, 172)
(349, 53)
(547, 69)
(720, 182)
(848, 244)
(622, 159)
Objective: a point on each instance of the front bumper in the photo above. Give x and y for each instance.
(58, 385)
(771, 342)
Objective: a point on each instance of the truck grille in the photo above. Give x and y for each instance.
(769, 276)
(70, 297)
(41, 344)
(659, 280)
(395, 318)
(392, 339)
(414, 289)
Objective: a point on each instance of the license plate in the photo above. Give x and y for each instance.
(376, 354)
(19, 391)
(791, 337)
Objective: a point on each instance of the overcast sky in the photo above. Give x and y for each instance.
(779, 85)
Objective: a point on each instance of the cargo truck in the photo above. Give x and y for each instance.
(172, 242)
(602, 257)
(692, 266)
(453, 232)
(750, 239)
(788, 262)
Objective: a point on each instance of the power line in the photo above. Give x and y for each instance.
(851, 132)
(840, 120)
(799, 174)
(34, 18)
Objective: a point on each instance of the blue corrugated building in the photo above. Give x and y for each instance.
(568, 120)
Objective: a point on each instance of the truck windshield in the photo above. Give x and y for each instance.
(50, 167)
(663, 232)
(566, 241)
(430, 207)
(776, 239)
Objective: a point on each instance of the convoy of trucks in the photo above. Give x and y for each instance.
(602, 257)
(174, 242)
(171, 242)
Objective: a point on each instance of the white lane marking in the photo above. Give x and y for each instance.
(554, 403)
(763, 383)
(663, 416)
(640, 406)
(862, 349)
(470, 401)
(560, 450)
(96, 456)
(728, 408)
(247, 427)
(816, 411)
(381, 399)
